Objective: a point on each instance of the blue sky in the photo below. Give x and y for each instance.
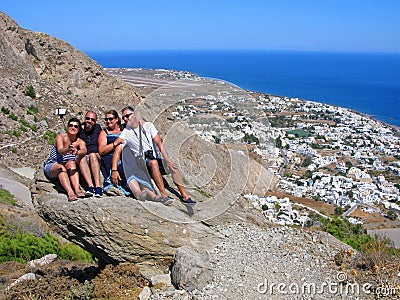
(315, 25)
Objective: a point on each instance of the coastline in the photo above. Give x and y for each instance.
(394, 127)
(147, 79)
(366, 83)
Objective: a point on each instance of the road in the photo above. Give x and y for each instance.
(19, 190)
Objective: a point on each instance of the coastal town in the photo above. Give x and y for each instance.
(318, 151)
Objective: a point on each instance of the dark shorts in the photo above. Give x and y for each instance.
(161, 163)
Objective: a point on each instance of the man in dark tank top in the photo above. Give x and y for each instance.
(90, 134)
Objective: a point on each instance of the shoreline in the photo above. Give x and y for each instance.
(396, 128)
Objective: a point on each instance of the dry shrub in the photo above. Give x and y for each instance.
(381, 259)
(61, 279)
(123, 281)
(46, 288)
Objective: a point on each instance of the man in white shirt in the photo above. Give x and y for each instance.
(149, 139)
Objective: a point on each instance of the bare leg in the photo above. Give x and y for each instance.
(95, 167)
(157, 177)
(137, 190)
(177, 178)
(73, 175)
(150, 194)
(134, 186)
(59, 171)
(85, 171)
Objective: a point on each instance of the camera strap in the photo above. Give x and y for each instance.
(140, 141)
(142, 132)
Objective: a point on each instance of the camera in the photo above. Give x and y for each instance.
(149, 154)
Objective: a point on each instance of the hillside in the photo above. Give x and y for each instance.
(54, 75)
(223, 249)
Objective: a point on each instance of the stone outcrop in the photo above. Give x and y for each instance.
(61, 76)
(191, 270)
(122, 229)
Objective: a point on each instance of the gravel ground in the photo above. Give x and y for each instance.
(273, 263)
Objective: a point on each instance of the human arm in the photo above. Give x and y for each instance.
(80, 149)
(114, 165)
(105, 148)
(160, 145)
(63, 145)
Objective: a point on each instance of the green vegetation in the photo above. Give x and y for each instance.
(299, 133)
(278, 142)
(50, 137)
(16, 245)
(13, 117)
(392, 215)
(5, 110)
(306, 162)
(250, 139)
(22, 247)
(355, 235)
(32, 110)
(6, 197)
(338, 210)
(16, 133)
(30, 91)
(25, 124)
(204, 193)
(343, 230)
(280, 121)
(33, 127)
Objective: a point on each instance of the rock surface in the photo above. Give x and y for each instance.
(120, 229)
(273, 263)
(61, 76)
(190, 270)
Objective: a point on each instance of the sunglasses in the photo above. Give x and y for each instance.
(127, 116)
(92, 119)
(109, 119)
(73, 125)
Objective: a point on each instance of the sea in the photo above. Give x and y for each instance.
(365, 82)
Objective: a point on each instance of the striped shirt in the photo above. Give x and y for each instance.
(55, 156)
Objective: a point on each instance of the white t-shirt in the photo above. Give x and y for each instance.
(131, 138)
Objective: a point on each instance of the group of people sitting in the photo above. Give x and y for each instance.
(126, 155)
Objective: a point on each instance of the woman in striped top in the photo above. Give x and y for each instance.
(64, 158)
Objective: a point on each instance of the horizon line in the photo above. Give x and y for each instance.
(243, 50)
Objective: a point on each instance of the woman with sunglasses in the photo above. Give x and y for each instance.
(64, 158)
(108, 140)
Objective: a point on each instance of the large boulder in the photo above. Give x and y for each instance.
(121, 229)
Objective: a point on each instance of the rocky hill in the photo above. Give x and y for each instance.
(223, 248)
(61, 77)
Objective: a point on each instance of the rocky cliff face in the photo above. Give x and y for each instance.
(61, 76)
